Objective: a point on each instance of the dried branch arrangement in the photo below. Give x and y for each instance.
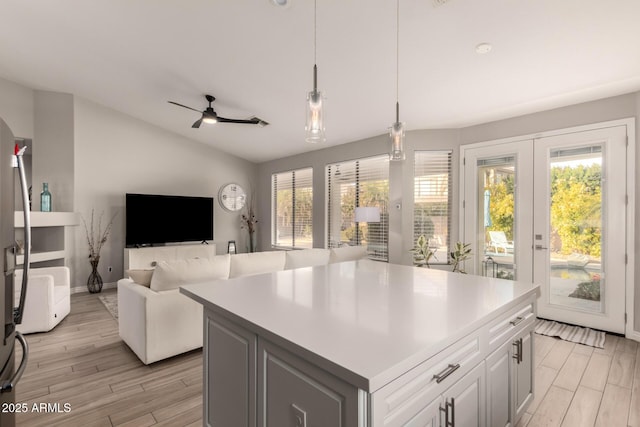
(97, 237)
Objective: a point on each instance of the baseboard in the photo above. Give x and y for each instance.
(80, 289)
(633, 335)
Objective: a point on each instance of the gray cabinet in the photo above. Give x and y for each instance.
(256, 379)
(230, 374)
(292, 392)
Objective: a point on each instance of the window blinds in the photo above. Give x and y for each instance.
(352, 184)
(432, 200)
(292, 209)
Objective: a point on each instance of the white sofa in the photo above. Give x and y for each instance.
(158, 322)
(48, 298)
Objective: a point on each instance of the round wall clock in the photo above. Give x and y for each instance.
(232, 197)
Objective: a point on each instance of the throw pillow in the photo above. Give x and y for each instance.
(141, 277)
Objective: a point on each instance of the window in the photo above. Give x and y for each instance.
(432, 201)
(353, 184)
(292, 209)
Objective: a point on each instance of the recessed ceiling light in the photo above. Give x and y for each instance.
(483, 48)
(281, 3)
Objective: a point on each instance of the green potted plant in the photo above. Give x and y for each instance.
(422, 252)
(460, 253)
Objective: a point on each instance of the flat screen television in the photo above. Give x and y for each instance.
(153, 219)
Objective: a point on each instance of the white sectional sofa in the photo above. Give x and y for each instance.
(158, 322)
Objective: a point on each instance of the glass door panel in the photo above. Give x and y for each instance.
(496, 214)
(576, 279)
(497, 206)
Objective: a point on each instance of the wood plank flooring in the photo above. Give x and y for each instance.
(83, 363)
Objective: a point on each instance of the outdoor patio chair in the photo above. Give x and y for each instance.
(498, 240)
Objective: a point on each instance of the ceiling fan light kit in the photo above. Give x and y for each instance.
(314, 127)
(209, 116)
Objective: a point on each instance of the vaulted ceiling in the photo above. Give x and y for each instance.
(257, 58)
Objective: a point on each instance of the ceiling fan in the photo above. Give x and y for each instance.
(210, 116)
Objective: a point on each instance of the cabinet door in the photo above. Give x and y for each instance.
(230, 374)
(524, 374)
(500, 386)
(467, 399)
(429, 416)
(294, 393)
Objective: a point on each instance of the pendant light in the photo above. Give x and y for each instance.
(315, 115)
(396, 132)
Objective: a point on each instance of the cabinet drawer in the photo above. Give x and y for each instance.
(514, 321)
(396, 403)
(289, 388)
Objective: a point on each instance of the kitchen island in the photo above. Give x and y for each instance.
(364, 343)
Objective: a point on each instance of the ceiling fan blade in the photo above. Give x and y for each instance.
(197, 123)
(184, 106)
(225, 120)
(251, 121)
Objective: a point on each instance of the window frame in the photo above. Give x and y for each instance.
(421, 156)
(307, 183)
(358, 177)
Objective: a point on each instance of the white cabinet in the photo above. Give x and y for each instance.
(499, 387)
(510, 379)
(464, 402)
(524, 373)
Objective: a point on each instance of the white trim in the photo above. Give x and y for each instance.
(630, 331)
(630, 123)
(633, 335)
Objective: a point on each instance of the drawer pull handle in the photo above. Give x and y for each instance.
(450, 369)
(517, 320)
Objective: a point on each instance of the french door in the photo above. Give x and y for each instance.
(552, 210)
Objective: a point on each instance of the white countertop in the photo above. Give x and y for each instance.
(368, 322)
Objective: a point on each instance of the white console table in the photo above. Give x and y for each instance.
(366, 344)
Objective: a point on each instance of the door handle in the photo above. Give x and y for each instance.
(18, 311)
(9, 385)
(518, 351)
(540, 248)
(449, 404)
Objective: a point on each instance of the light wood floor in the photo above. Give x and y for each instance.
(84, 363)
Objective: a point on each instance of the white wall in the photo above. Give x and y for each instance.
(52, 153)
(16, 108)
(116, 154)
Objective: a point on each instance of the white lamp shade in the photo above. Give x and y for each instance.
(367, 214)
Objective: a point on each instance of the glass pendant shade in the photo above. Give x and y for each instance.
(397, 141)
(315, 118)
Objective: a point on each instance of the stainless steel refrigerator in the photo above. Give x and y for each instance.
(11, 168)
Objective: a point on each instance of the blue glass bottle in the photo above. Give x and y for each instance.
(45, 198)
